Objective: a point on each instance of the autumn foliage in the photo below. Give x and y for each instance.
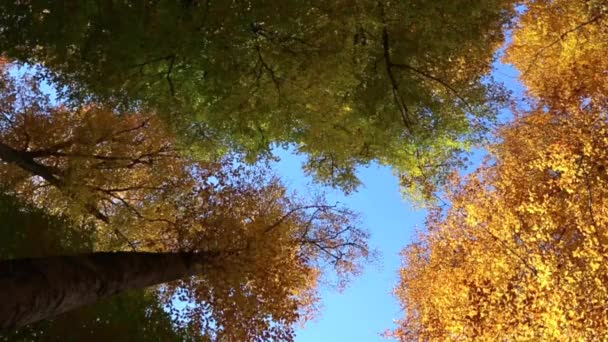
(520, 251)
(125, 174)
(162, 108)
(560, 49)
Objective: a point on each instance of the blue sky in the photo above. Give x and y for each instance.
(367, 307)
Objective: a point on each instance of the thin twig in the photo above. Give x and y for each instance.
(561, 37)
(436, 79)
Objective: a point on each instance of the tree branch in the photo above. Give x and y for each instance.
(436, 79)
(537, 54)
(27, 163)
(389, 71)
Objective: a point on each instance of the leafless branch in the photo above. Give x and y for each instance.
(294, 210)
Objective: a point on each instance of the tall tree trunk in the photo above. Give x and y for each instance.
(36, 289)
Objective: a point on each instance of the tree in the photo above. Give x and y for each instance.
(521, 252)
(559, 47)
(92, 161)
(344, 82)
(34, 289)
(28, 232)
(127, 174)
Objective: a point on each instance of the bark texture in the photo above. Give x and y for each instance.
(40, 288)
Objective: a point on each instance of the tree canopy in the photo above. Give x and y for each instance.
(163, 106)
(560, 48)
(127, 175)
(521, 248)
(345, 82)
(521, 252)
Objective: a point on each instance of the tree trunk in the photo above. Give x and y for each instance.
(40, 288)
